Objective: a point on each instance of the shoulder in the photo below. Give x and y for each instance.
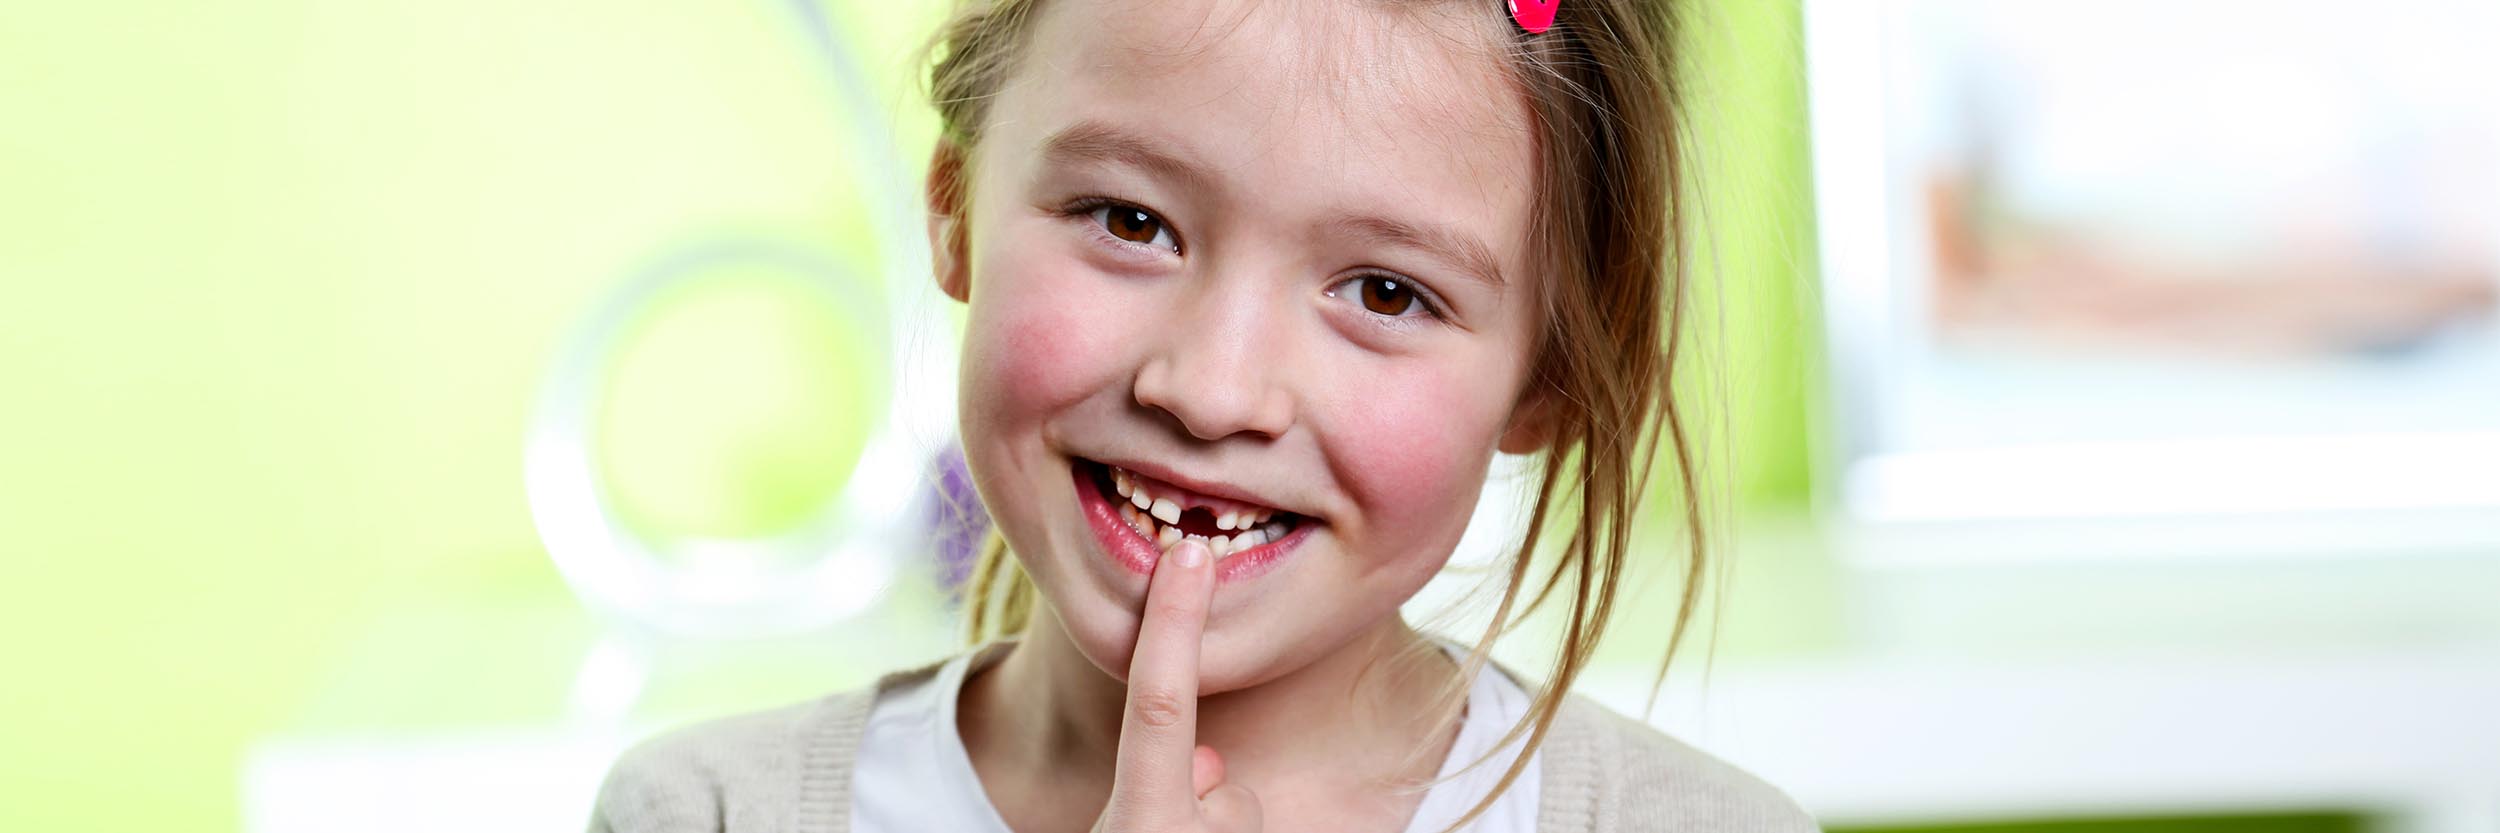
(1607, 772)
(746, 771)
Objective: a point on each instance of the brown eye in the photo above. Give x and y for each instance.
(1387, 296)
(1135, 225)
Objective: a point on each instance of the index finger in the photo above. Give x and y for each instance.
(1159, 729)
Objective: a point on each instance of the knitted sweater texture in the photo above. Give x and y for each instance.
(789, 771)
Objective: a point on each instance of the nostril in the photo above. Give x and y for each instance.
(1211, 400)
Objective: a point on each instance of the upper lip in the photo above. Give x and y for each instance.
(1210, 488)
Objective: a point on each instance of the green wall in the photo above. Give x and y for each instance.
(1755, 327)
(279, 280)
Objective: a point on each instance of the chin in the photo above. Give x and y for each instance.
(1242, 647)
(1105, 632)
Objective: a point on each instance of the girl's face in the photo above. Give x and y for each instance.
(1262, 260)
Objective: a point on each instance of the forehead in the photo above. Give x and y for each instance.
(1400, 109)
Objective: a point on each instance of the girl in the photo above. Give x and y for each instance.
(1256, 290)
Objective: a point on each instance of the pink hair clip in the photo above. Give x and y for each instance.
(1536, 16)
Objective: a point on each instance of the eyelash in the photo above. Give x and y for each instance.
(1425, 300)
(1084, 207)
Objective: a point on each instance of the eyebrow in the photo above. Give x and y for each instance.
(1468, 254)
(1093, 142)
(1096, 142)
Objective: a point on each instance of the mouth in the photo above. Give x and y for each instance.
(1141, 518)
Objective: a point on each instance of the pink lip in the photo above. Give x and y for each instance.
(1131, 550)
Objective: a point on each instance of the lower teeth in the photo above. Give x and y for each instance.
(1166, 537)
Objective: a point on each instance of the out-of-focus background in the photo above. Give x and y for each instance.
(408, 405)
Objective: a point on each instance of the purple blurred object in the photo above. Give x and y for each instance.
(957, 521)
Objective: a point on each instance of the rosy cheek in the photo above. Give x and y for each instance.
(1029, 352)
(1031, 346)
(1417, 448)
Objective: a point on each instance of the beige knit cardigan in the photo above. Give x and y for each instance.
(789, 771)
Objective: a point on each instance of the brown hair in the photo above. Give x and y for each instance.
(1605, 101)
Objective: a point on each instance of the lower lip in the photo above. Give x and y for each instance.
(1130, 549)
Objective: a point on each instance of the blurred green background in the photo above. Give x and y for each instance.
(282, 279)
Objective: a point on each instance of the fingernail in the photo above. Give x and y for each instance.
(1191, 554)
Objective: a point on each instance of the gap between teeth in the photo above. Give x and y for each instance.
(1169, 511)
(1165, 537)
(1156, 519)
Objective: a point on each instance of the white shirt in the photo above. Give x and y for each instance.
(913, 773)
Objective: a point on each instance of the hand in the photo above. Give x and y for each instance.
(1164, 781)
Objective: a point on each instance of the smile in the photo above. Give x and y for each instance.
(1141, 518)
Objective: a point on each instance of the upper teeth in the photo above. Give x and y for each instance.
(1168, 508)
(1149, 508)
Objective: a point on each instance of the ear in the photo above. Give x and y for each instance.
(949, 259)
(1532, 421)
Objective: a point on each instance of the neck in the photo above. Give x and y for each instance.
(1045, 722)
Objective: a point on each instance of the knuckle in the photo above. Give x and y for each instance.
(1172, 610)
(1159, 709)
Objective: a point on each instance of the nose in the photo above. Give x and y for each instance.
(1215, 370)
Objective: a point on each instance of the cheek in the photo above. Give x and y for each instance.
(1026, 354)
(1416, 450)
(1028, 349)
